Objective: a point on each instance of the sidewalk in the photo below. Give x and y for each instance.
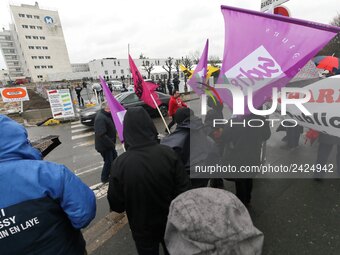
(297, 216)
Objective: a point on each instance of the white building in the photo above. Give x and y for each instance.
(34, 46)
(80, 67)
(113, 68)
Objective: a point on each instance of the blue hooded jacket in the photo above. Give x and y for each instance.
(43, 205)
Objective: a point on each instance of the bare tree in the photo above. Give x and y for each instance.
(333, 47)
(147, 67)
(214, 60)
(195, 56)
(168, 67)
(187, 63)
(141, 56)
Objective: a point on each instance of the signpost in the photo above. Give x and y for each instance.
(281, 10)
(16, 94)
(267, 4)
(61, 103)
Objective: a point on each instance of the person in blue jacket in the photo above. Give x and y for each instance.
(43, 205)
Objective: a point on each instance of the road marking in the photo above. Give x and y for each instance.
(100, 190)
(89, 143)
(77, 125)
(74, 137)
(89, 170)
(80, 130)
(75, 122)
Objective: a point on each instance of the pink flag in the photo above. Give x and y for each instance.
(199, 76)
(144, 90)
(117, 110)
(263, 51)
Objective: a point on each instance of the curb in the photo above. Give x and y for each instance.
(103, 230)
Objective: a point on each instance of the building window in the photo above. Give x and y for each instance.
(39, 27)
(24, 26)
(50, 66)
(21, 15)
(17, 69)
(41, 57)
(15, 63)
(38, 47)
(122, 71)
(31, 47)
(106, 72)
(43, 67)
(29, 16)
(114, 62)
(34, 57)
(36, 16)
(114, 71)
(39, 76)
(35, 37)
(118, 63)
(7, 38)
(42, 37)
(28, 37)
(32, 27)
(45, 48)
(37, 67)
(47, 57)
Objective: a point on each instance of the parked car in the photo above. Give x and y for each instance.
(116, 85)
(127, 99)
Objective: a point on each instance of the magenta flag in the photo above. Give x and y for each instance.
(263, 51)
(200, 73)
(144, 90)
(117, 110)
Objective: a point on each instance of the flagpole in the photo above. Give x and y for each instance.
(159, 111)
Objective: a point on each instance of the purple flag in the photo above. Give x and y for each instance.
(263, 51)
(117, 110)
(200, 73)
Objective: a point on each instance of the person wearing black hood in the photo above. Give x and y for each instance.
(144, 180)
(192, 144)
(105, 139)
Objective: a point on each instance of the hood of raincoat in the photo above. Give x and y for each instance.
(14, 144)
(139, 129)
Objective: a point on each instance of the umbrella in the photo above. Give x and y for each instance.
(317, 59)
(46, 144)
(329, 63)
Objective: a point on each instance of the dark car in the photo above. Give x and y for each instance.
(127, 99)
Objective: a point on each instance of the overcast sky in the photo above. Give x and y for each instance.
(156, 28)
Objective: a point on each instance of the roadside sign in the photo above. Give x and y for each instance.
(281, 10)
(61, 103)
(266, 4)
(16, 94)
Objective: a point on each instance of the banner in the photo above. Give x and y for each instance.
(117, 110)
(200, 73)
(263, 51)
(61, 103)
(324, 107)
(144, 90)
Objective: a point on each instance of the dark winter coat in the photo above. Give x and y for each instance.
(329, 139)
(191, 142)
(45, 204)
(105, 131)
(78, 90)
(146, 178)
(244, 143)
